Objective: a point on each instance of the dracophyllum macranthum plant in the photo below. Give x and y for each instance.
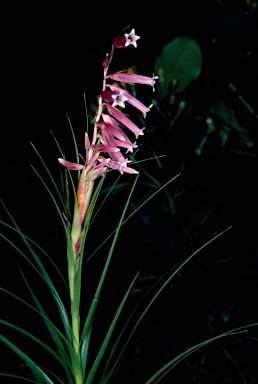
(106, 147)
(103, 150)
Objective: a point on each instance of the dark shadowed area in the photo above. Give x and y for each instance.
(204, 120)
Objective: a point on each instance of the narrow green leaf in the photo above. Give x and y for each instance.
(106, 341)
(45, 346)
(52, 330)
(89, 320)
(49, 174)
(109, 371)
(39, 247)
(66, 342)
(17, 377)
(134, 212)
(74, 139)
(43, 273)
(173, 362)
(34, 367)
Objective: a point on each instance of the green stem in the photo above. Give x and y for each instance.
(76, 345)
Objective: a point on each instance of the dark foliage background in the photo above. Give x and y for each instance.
(48, 61)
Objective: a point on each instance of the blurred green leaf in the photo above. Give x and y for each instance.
(229, 121)
(224, 137)
(178, 65)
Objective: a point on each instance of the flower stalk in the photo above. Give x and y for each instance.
(105, 150)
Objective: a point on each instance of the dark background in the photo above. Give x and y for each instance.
(49, 60)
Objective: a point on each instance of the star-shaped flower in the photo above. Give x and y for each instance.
(131, 38)
(119, 99)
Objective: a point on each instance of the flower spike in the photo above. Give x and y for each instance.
(107, 147)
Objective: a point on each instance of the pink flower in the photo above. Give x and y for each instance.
(130, 99)
(115, 98)
(69, 165)
(107, 138)
(113, 127)
(122, 118)
(91, 171)
(121, 165)
(122, 168)
(126, 39)
(132, 78)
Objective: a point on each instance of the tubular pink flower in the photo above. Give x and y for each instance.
(87, 145)
(98, 171)
(105, 148)
(122, 169)
(126, 39)
(69, 165)
(110, 142)
(119, 143)
(121, 117)
(114, 98)
(113, 127)
(128, 145)
(119, 158)
(120, 164)
(130, 99)
(123, 140)
(132, 78)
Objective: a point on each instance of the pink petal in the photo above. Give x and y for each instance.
(105, 148)
(71, 166)
(121, 117)
(132, 78)
(122, 169)
(112, 126)
(131, 99)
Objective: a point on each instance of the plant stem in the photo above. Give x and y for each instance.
(76, 345)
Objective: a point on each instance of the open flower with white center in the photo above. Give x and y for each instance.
(115, 98)
(130, 99)
(125, 40)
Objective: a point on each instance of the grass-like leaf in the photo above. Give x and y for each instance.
(36, 370)
(133, 213)
(85, 338)
(62, 362)
(64, 339)
(38, 246)
(52, 330)
(173, 362)
(49, 174)
(110, 369)
(91, 375)
(6, 374)
(43, 273)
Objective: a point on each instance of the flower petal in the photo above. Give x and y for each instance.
(131, 99)
(132, 78)
(122, 118)
(69, 165)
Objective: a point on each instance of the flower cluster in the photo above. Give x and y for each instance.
(109, 133)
